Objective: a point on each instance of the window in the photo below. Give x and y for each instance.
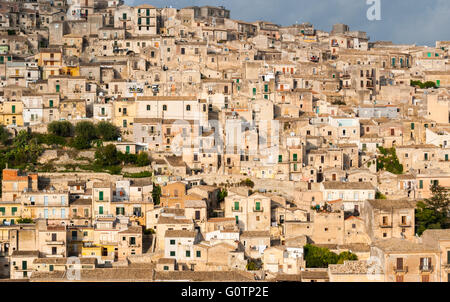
(148, 107)
(236, 205)
(258, 206)
(172, 254)
(100, 195)
(399, 263)
(172, 242)
(188, 254)
(198, 254)
(188, 107)
(164, 107)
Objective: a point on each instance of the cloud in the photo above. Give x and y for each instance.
(411, 21)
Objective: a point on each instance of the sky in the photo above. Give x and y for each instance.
(402, 21)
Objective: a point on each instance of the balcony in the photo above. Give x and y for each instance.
(426, 268)
(56, 242)
(386, 226)
(233, 209)
(405, 225)
(398, 269)
(261, 209)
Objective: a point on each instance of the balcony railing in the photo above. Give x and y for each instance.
(426, 268)
(261, 209)
(403, 269)
(233, 209)
(385, 226)
(405, 225)
(56, 242)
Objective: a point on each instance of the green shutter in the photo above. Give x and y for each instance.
(100, 195)
(51, 267)
(258, 206)
(13, 108)
(100, 210)
(188, 254)
(127, 149)
(412, 126)
(199, 254)
(14, 210)
(420, 184)
(254, 91)
(24, 265)
(295, 157)
(280, 158)
(446, 157)
(438, 83)
(3, 211)
(57, 88)
(51, 103)
(172, 242)
(237, 219)
(236, 205)
(266, 88)
(172, 254)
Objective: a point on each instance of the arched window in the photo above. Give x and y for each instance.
(188, 107)
(164, 107)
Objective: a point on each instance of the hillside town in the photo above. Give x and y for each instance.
(140, 143)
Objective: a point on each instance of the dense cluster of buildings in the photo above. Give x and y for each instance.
(287, 119)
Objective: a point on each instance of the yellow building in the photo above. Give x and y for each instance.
(10, 211)
(51, 62)
(124, 114)
(11, 113)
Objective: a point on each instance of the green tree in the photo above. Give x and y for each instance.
(156, 194)
(248, 183)
(85, 133)
(432, 213)
(318, 257)
(221, 195)
(143, 159)
(107, 131)
(25, 150)
(5, 135)
(107, 156)
(254, 265)
(388, 161)
(61, 128)
(24, 220)
(346, 256)
(380, 195)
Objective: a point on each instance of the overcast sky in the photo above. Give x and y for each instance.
(403, 21)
